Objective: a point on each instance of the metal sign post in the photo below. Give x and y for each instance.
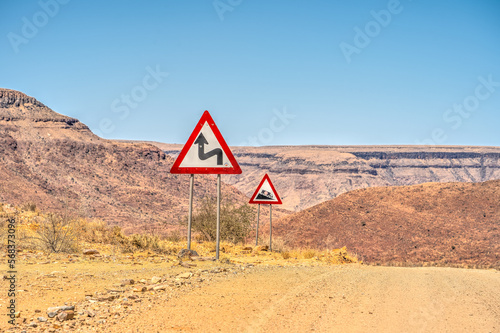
(257, 231)
(205, 152)
(265, 194)
(271, 228)
(218, 219)
(190, 216)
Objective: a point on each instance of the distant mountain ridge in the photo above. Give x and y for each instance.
(308, 175)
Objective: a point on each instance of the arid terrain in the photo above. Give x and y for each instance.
(346, 212)
(57, 163)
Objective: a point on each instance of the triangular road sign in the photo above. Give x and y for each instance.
(206, 151)
(266, 193)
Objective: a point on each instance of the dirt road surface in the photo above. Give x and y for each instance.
(348, 298)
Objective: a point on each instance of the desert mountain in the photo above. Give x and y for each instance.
(56, 162)
(308, 175)
(443, 223)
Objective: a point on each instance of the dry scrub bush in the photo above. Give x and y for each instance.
(280, 244)
(95, 231)
(285, 255)
(309, 253)
(235, 222)
(145, 242)
(98, 231)
(174, 236)
(26, 225)
(29, 207)
(57, 233)
(337, 256)
(224, 247)
(229, 248)
(210, 246)
(34, 231)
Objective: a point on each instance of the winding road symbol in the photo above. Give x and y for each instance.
(206, 151)
(201, 141)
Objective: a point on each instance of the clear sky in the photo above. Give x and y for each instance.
(281, 72)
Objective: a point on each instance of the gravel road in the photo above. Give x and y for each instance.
(347, 298)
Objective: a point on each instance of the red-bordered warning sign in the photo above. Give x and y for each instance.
(266, 193)
(206, 151)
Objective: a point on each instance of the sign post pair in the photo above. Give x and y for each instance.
(205, 152)
(265, 194)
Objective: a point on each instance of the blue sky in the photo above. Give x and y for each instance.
(279, 72)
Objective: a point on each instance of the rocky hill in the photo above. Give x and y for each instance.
(58, 163)
(445, 223)
(308, 175)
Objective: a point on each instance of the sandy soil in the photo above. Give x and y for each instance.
(254, 294)
(349, 298)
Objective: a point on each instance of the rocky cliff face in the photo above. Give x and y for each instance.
(14, 98)
(17, 106)
(56, 162)
(435, 164)
(307, 175)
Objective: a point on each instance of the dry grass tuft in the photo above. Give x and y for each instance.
(309, 253)
(340, 256)
(285, 255)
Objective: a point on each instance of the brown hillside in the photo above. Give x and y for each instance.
(447, 223)
(58, 163)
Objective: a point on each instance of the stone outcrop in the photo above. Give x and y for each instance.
(15, 105)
